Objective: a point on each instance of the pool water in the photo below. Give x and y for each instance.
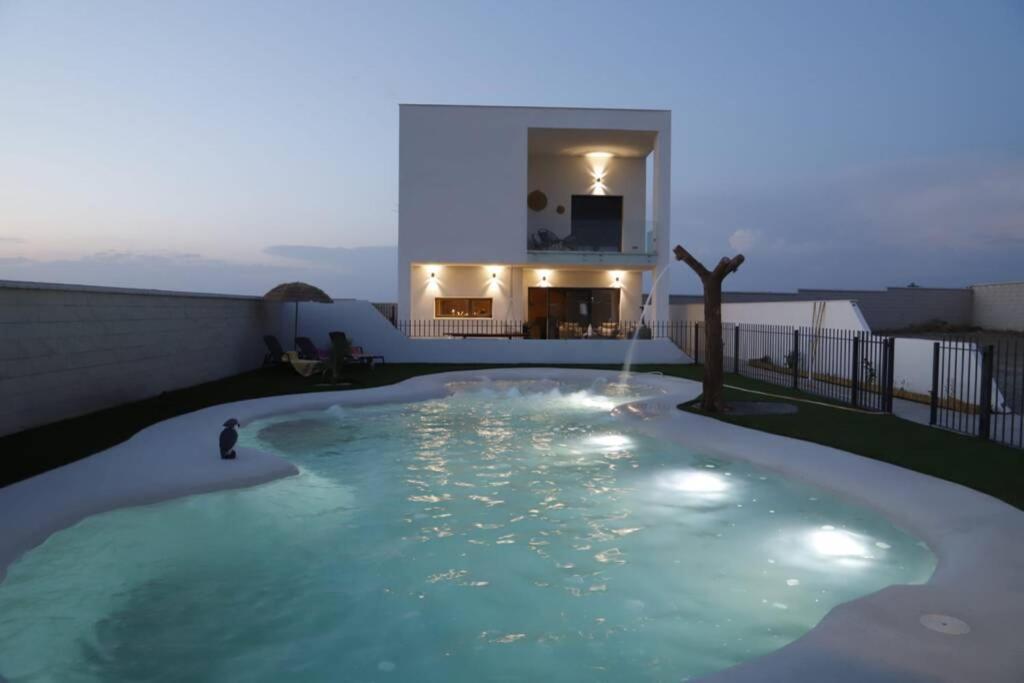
(512, 531)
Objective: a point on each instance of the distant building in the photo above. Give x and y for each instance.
(997, 306)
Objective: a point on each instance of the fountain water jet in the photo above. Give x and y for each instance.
(628, 361)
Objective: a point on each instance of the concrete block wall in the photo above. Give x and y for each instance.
(999, 306)
(897, 308)
(67, 350)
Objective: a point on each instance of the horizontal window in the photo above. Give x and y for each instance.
(461, 307)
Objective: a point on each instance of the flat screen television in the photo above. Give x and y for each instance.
(596, 222)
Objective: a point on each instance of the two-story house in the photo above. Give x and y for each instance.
(539, 219)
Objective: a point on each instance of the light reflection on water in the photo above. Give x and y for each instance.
(513, 529)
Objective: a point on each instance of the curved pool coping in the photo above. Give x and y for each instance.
(873, 639)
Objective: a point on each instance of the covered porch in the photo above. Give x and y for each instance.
(525, 301)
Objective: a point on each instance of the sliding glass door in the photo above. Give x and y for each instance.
(572, 313)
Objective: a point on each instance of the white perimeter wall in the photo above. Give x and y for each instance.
(912, 371)
(369, 329)
(843, 315)
(560, 177)
(999, 306)
(509, 290)
(67, 350)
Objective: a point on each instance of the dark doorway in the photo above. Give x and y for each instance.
(572, 312)
(596, 223)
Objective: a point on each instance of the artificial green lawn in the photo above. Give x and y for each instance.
(996, 470)
(983, 465)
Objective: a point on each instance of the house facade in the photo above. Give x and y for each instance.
(541, 221)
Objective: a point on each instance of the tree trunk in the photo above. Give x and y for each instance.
(712, 400)
(714, 378)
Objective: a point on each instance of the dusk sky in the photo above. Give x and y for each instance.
(229, 146)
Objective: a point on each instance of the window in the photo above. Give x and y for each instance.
(461, 307)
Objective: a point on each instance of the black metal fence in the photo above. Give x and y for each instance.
(846, 366)
(978, 387)
(388, 310)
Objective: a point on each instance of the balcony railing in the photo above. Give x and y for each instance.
(466, 328)
(635, 237)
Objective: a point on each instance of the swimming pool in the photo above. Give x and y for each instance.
(511, 530)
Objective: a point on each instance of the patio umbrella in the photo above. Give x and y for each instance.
(297, 292)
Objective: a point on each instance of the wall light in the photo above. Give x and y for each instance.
(493, 282)
(598, 162)
(433, 271)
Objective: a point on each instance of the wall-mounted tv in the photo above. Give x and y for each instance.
(596, 222)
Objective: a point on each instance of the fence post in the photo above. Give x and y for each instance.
(933, 415)
(890, 375)
(985, 394)
(696, 342)
(855, 372)
(736, 349)
(796, 358)
(883, 376)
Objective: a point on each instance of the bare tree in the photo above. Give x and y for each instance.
(714, 379)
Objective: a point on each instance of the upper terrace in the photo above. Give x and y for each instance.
(587, 197)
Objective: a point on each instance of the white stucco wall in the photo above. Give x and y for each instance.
(369, 329)
(560, 177)
(842, 315)
(465, 281)
(999, 306)
(892, 308)
(67, 350)
(463, 175)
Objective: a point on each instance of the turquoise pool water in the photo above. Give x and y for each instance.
(512, 531)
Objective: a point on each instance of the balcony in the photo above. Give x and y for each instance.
(631, 244)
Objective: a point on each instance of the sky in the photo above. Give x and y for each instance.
(229, 146)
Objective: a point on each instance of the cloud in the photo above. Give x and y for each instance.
(944, 224)
(11, 240)
(366, 273)
(743, 239)
(345, 258)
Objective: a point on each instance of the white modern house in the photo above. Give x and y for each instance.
(540, 220)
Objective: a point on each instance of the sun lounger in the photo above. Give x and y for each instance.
(352, 354)
(275, 353)
(308, 350)
(363, 357)
(304, 367)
